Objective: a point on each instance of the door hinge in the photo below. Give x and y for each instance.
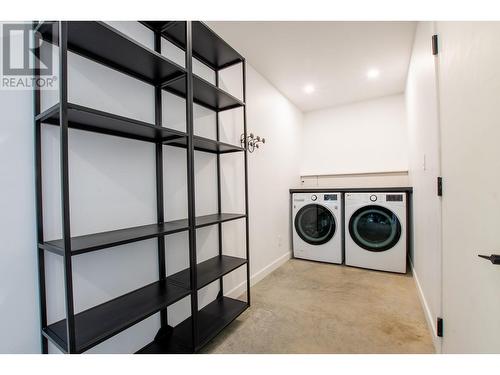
(435, 49)
(440, 186)
(439, 327)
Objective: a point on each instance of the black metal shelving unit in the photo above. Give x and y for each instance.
(105, 45)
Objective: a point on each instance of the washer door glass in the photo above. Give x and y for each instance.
(375, 228)
(315, 224)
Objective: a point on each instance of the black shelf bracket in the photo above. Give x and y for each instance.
(191, 187)
(162, 272)
(38, 197)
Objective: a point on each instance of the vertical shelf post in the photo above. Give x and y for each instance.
(191, 186)
(38, 195)
(65, 203)
(247, 233)
(162, 272)
(219, 187)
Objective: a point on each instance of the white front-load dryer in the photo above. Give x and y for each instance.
(317, 226)
(376, 231)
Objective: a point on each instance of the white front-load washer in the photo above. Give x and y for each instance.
(317, 226)
(376, 231)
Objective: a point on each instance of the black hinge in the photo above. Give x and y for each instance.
(439, 327)
(435, 44)
(440, 186)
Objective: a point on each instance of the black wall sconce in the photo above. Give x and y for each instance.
(252, 141)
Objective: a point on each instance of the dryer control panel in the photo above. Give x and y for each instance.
(394, 197)
(330, 197)
(376, 198)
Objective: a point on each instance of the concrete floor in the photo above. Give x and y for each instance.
(309, 307)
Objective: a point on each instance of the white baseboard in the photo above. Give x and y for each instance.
(259, 275)
(427, 312)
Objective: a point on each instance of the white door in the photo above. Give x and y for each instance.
(469, 93)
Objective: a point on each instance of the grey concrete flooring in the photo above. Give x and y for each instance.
(309, 307)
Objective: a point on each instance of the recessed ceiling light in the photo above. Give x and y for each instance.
(308, 89)
(373, 73)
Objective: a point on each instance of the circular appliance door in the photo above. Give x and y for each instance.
(375, 228)
(315, 224)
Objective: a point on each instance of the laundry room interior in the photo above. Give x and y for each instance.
(252, 187)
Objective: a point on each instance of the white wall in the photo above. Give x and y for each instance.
(18, 265)
(273, 170)
(356, 180)
(424, 168)
(368, 136)
(112, 186)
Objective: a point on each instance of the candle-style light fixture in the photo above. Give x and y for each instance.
(252, 142)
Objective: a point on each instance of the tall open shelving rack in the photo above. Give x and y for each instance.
(103, 44)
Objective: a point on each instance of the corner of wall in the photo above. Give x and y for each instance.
(259, 275)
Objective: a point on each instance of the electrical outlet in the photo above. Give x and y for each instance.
(424, 163)
(280, 242)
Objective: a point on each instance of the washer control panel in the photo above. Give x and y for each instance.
(373, 198)
(317, 197)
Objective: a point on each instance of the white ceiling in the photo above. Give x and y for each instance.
(332, 56)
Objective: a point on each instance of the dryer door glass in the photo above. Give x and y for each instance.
(315, 224)
(375, 228)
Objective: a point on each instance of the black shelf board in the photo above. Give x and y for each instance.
(209, 270)
(103, 240)
(89, 119)
(206, 220)
(98, 241)
(206, 145)
(204, 94)
(101, 322)
(104, 44)
(212, 319)
(208, 47)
